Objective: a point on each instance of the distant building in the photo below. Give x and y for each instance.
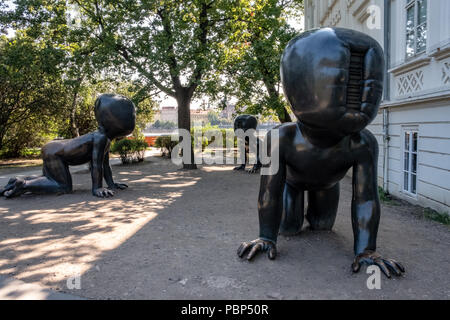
(413, 124)
(198, 115)
(170, 113)
(167, 114)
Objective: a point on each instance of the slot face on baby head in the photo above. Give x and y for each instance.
(355, 77)
(333, 78)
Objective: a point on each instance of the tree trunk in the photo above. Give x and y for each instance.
(73, 126)
(282, 113)
(285, 117)
(73, 111)
(184, 120)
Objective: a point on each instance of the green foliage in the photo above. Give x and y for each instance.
(129, 150)
(254, 54)
(166, 144)
(31, 153)
(383, 195)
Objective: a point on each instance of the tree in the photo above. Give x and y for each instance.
(172, 45)
(253, 70)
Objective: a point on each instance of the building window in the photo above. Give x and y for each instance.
(410, 161)
(416, 27)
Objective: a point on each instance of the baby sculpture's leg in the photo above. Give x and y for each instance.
(322, 208)
(56, 179)
(293, 211)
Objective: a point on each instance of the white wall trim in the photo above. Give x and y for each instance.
(440, 53)
(417, 100)
(410, 65)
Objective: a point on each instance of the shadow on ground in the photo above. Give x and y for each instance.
(173, 235)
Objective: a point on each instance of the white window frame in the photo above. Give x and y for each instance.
(409, 171)
(408, 5)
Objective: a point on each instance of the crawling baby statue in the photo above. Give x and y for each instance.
(332, 77)
(116, 118)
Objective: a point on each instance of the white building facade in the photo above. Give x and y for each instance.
(413, 123)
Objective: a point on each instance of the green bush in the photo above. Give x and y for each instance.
(31, 153)
(214, 129)
(166, 144)
(130, 150)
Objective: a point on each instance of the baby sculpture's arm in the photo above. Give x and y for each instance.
(366, 209)
(270, 207)
(107, 173)
(365, 203)
(100, 144)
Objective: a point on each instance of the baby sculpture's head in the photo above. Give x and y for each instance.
(333, 78)
(115, 114)
(245, 122)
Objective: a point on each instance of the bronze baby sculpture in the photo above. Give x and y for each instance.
(332, 78)
(246, 122)
(116, 118)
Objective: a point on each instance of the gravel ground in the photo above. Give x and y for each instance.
(173, 235)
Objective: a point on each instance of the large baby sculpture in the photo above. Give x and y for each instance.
(246, 122)
(116, 118)
(332, 78)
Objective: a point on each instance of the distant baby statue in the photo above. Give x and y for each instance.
(116, 118)
(247, 122)
(332, 78)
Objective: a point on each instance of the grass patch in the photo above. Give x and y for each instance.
(385, 197)
(436, 216)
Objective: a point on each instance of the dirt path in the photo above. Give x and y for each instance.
(173, 235)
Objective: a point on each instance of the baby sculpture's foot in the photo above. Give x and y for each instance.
(17, 188)
(388, 266)
(8, 186)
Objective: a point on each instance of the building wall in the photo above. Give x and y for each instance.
(419, 93)
(350, 14)
(171, 114)
(167, 114)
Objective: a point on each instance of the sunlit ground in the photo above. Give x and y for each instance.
(51, 238)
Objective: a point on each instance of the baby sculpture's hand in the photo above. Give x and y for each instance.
(254, 169)
(373, 258)
(102, 192)
(258, 245)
